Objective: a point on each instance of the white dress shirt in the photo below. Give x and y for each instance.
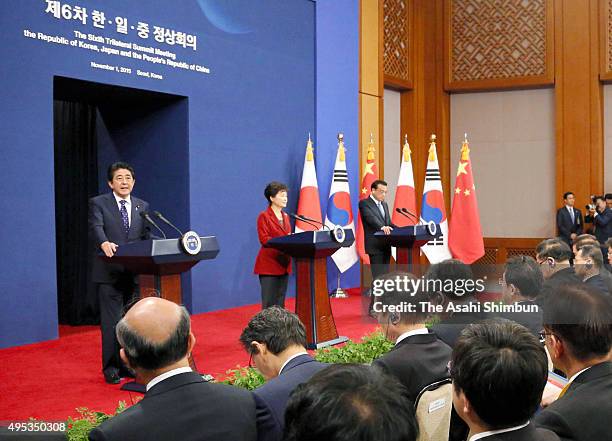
(418, 331)
(291, 358)
(128, 206)
(167, 375)
(482, 435)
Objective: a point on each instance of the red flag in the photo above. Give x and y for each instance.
(370, 174)
(464, 233)
(405, 195)
(308, 204)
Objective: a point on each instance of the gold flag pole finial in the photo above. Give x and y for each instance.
(432, 148)
(341, 147)
(465, 149)
(309, 149)
(406, 152)
(371, 149)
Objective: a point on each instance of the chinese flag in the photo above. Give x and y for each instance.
(370, 174)
(464, 233)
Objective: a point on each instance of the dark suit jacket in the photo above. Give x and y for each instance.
(527, 433)
(562, 277)
(269, 260)
(530, 320)
(448, 330)
(603, 226)
(271, 398)
(598, 282)
(565, 226)
(184, 407)
(417, 361)
(372, 222)
(105, 224)
(584, 412)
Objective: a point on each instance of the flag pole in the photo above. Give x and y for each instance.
(339, 293)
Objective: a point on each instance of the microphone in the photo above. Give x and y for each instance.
(300, 218)
(405, 211)
(147, 217)
(304, 218)
(167, 222)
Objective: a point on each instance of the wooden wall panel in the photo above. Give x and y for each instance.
(426, 108)
(371, 47)
(578, 99)
(499, 44)
(605, 42)
(499, 249)
(398, 43)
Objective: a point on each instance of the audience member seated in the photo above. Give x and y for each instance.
(582, 240)
(578, 335)
(553, 256)
(454, 274)
(499, 370)
(156, 340)
(521, 283)
(276, 340)
(350, 402)
(418, 358)
(588, 265)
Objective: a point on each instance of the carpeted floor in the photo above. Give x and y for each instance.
(49, 380)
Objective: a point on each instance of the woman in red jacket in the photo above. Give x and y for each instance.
(273, 266)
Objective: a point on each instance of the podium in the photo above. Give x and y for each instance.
(405, 239)
(310, 250)
(160, 263)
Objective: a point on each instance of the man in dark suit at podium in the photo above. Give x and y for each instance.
(569, 219)
(114, 220)
(375, 217)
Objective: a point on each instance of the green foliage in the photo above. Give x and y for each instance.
(79, 428)
(370, 348)
(245, 377)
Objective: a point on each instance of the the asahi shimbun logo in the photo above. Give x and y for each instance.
(191, 242)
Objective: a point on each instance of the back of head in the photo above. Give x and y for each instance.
(592, 252)
(581, 316)
(452, 278)
(404, 293)
(276, 327)
(555, 249)
(154, 334)
(584, 241)
(502, 370)
(525, 274)
(347, 402)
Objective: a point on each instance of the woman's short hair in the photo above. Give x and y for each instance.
(273, 188)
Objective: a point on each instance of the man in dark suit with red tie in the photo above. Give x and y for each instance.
(569, 219)
(114, 220)
(375, 217)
